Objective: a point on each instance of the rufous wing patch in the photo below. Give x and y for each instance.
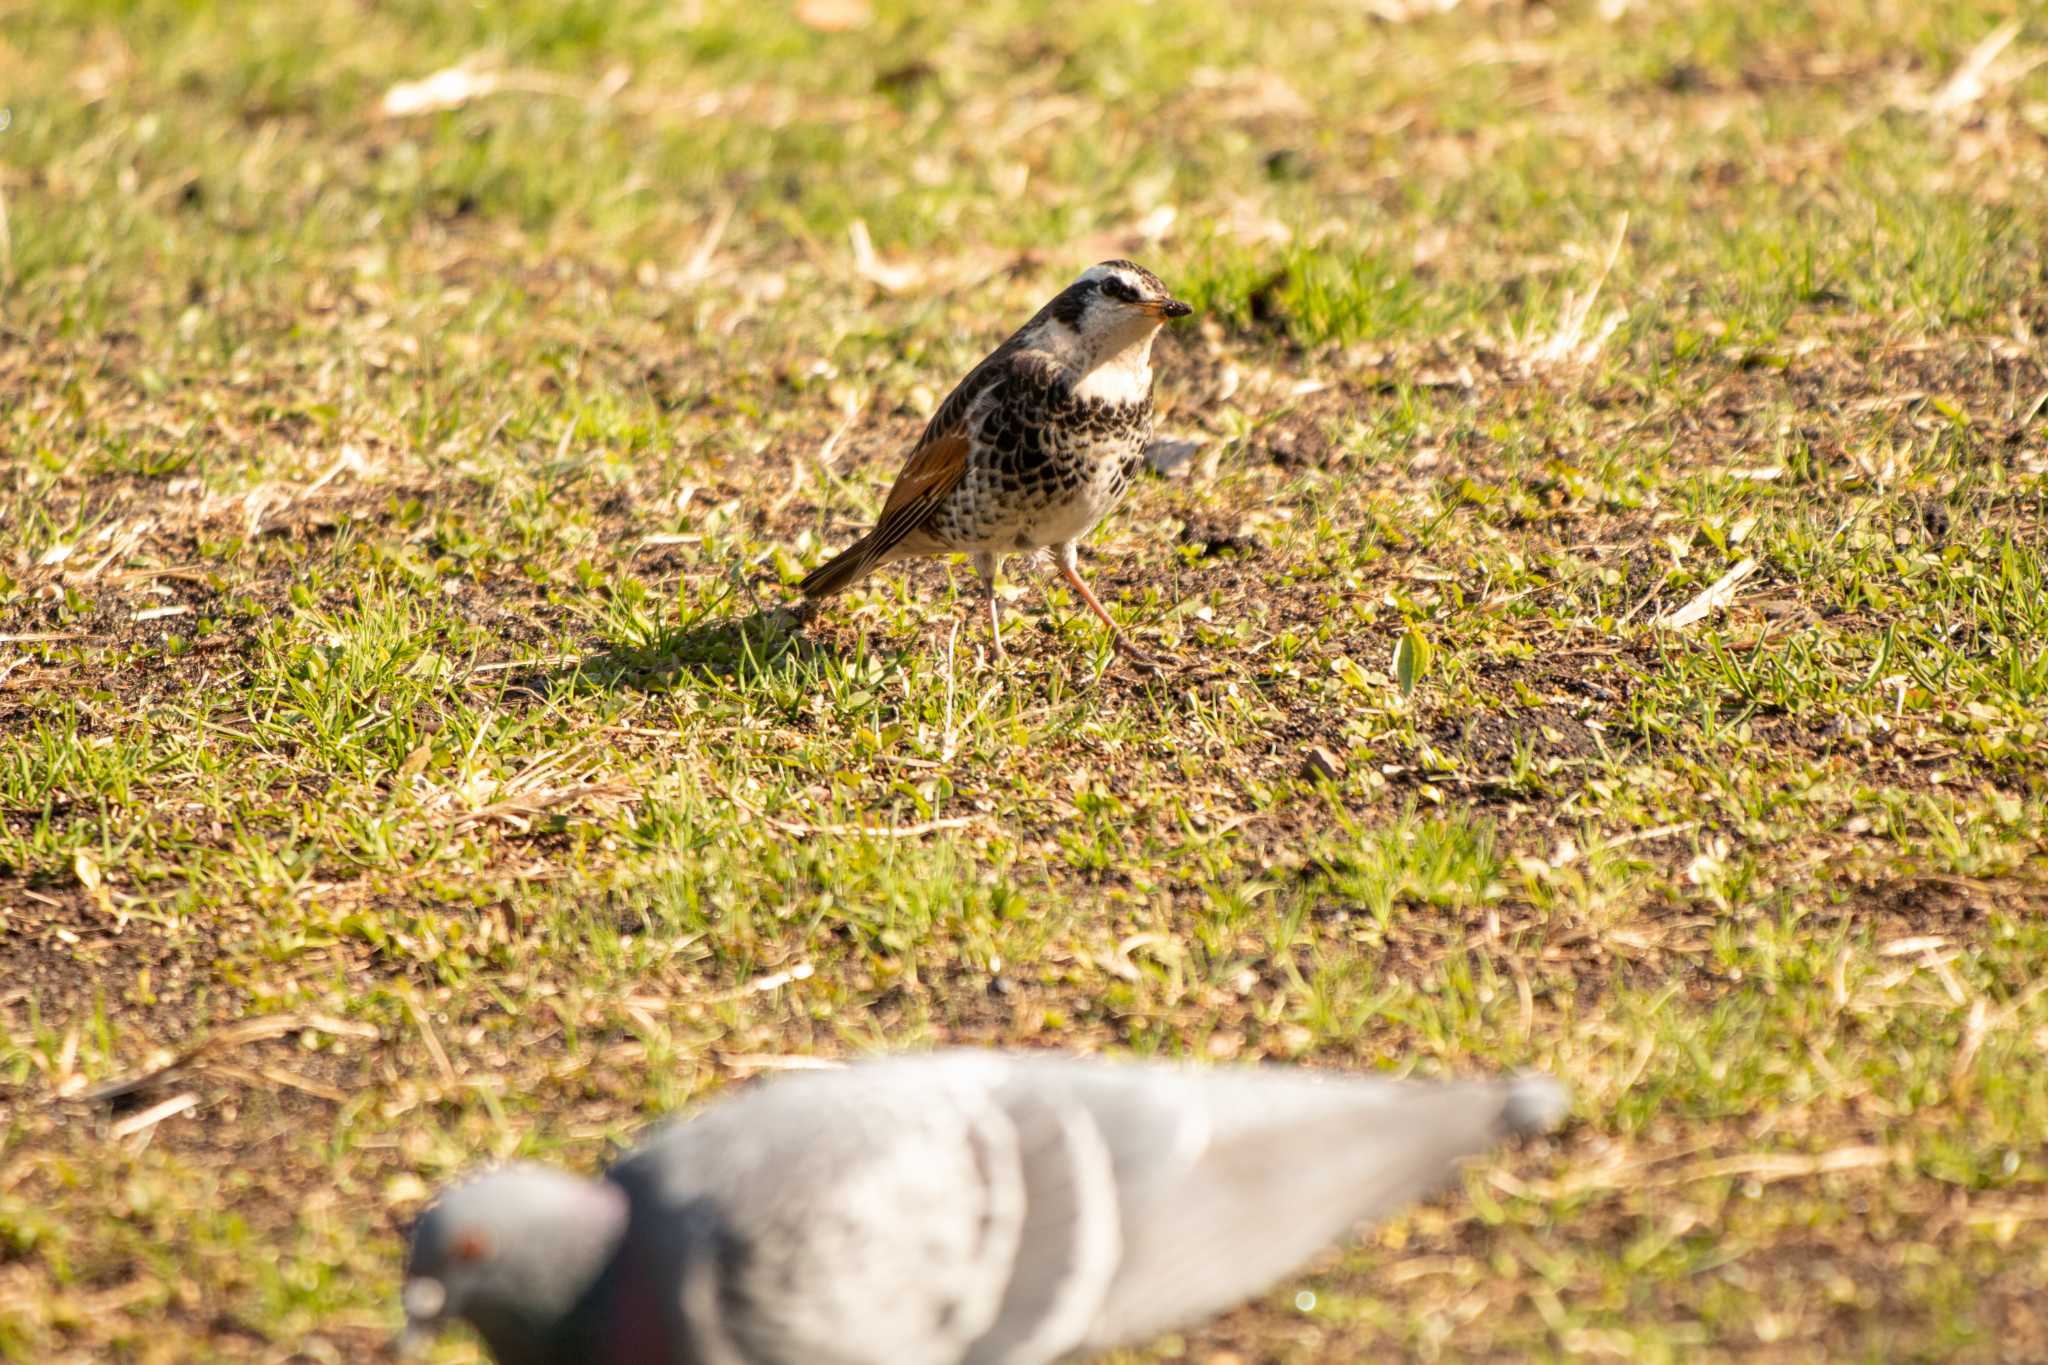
(931, 473)
(933, 467)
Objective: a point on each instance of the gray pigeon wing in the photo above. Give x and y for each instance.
(1227, 1181)
(982, 1209)
(866, 1217)
(1069, 1243)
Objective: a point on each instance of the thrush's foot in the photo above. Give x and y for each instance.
(1138, 658)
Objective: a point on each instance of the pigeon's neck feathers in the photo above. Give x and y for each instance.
(549, 1292)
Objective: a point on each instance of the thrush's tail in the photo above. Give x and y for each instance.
(842, 571)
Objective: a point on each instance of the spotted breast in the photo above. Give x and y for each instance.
(1046, 462)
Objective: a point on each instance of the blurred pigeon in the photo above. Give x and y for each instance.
(961, 1208)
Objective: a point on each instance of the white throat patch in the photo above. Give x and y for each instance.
(1125, 377)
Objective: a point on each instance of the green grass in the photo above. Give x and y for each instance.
(396, 517)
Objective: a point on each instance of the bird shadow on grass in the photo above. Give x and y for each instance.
(764, 646)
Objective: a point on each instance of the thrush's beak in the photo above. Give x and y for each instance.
(1172, 308)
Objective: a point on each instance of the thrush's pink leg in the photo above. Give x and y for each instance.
(985, 566)
(1070, 569)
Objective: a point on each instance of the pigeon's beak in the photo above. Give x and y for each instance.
(1172, 308)
(423, 1299)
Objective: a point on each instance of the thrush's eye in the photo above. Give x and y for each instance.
(1118, 289)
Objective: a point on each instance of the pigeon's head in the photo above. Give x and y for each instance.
(510, 1252)
(1116, 298)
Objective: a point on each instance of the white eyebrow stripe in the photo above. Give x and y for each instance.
(1107, 272)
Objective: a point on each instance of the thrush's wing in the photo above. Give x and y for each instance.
(936, 465)
(939, 460)
(934, 469)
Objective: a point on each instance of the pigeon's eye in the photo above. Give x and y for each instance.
(1119, 289)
